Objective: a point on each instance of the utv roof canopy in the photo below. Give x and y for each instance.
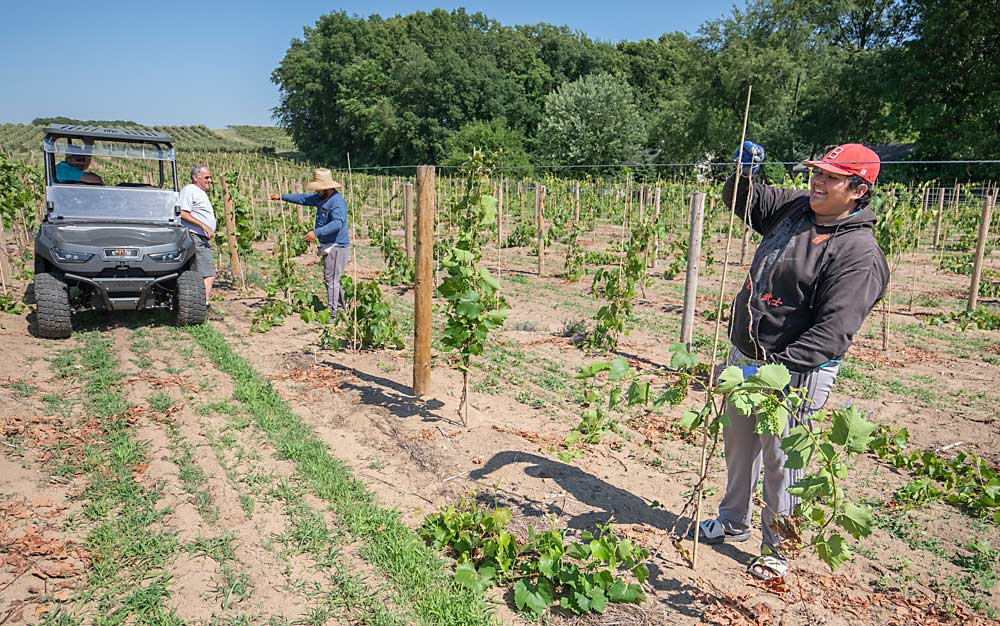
(74, 131)
(119, 143)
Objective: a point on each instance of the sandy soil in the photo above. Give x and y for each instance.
(415, 456)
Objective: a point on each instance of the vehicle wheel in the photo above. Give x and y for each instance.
(190, 297)
(54, 317)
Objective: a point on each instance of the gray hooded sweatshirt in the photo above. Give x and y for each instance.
(810, 286)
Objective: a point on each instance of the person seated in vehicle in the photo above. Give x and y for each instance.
(74, 170)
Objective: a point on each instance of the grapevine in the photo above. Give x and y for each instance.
(369, 322)
(618, 288)
(548, 569)
(824, 513)
(473, 307)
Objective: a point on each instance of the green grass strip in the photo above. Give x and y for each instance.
(128, 582)
(416, 570)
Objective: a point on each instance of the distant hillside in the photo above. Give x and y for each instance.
(45, 121)
(21, 138)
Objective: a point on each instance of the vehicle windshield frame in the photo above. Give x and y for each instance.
(160, 153)
(120, 205)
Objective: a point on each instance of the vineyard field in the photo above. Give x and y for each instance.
(272, 467)
(25, 139)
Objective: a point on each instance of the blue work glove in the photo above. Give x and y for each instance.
(748, 370)
(751, 156)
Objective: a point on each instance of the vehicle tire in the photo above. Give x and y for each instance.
(52, 312)
(191, 307)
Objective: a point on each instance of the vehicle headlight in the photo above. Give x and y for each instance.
(167, 257)
(66, 256)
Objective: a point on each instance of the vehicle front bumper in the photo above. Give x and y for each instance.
(124, 294)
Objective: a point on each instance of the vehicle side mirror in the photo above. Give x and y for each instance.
(177, 209)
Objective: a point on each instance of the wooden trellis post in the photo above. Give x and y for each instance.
(989, 199)
(693, 261)
(520, 196)
(423, 285)
(234, 256)
(298, 207)
(656, 227)
(940, 216)
(267, 195)
(540, 223)
(5, 275)
(499, 236)
(253, 205)
(576, 203)
(408, 219)
(500, 213)
(381, 204)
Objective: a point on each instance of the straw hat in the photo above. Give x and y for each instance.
(323, 179)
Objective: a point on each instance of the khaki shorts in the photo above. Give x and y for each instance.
(203, 255)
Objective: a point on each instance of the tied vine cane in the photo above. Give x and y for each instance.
(718, 329)
(354, 258)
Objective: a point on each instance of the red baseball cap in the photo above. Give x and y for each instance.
(849, 159)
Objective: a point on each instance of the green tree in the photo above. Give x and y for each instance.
(428, 86)
(593, 120)
(393, 91)
(951, 69)
(668, 78)
(503, 145)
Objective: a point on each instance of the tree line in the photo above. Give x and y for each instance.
(426, 87)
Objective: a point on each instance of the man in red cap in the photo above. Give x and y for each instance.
(814, 279)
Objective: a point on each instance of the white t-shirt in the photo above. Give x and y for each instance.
(195, 201)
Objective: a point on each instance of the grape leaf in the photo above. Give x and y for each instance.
(531, 598)
(798, 448)
(600, 550)
(598, 601)
(680, 358)
(833, 551)
(548, 564)
(467, 576)
(641, 572)
(690, 419)
(811, 487)
(773, 375)
(638, 393)
(619, 369)
(856, 520)
(851, 429)
(589, 371)
(730, 379)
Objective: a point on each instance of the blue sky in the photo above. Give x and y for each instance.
(210, 62)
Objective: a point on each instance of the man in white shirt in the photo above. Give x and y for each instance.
(197, 212)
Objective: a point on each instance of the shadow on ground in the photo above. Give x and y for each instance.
(104, 321)
(390, 395)
(607, 502)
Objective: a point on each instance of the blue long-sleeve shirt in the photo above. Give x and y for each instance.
(331, 217)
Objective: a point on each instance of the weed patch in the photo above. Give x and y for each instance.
(387, 543)
(127, 582)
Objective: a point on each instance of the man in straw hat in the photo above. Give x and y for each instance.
(814, 279)
(330, 230)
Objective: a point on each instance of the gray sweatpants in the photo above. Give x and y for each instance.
(747, 451)
(333, 267)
